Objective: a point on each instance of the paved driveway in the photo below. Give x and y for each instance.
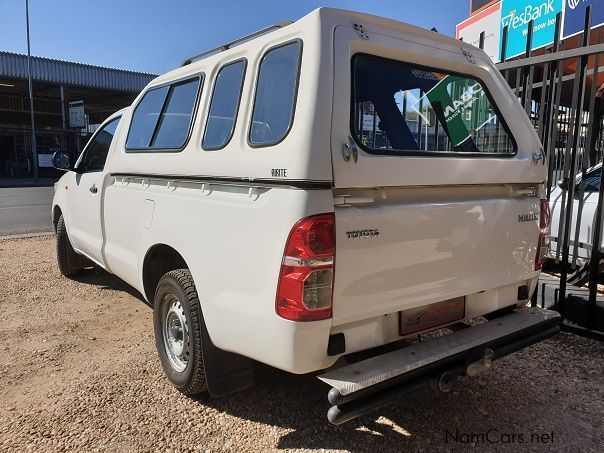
(25, 210)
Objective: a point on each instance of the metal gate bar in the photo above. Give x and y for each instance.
(567, 115)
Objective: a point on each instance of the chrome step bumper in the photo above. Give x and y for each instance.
(373, 383)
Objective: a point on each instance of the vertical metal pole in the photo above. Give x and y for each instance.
(590, 143)
(535, 296)
(578, 98)
(588, 161)
(596, 248)
(595, 123)
(436, 132)
(79, 141)
(419, 122)
(527, 75)
(550, 133)
(34, 147)
(374, 127)
(63, 108)
(594, 263)
(361, 121)
(543, 105)
(519, 71)
(504, 44)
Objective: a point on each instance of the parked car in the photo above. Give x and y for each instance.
(586, 205)
(241, 197)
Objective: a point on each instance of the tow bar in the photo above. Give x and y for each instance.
(371, 384)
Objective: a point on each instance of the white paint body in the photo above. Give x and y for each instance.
(448, 226)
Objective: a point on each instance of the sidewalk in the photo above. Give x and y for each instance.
(24, 182)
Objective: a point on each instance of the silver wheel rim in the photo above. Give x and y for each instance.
(175, 332)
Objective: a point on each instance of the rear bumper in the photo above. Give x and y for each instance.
(373, 383)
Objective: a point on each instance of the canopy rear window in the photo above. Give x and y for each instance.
(405, 109)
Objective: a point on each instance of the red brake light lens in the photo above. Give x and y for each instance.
(542, 250)
(312, 237)
(305, 285)
(543, 244)
(545, 216)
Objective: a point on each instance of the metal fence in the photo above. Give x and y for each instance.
(562, 93)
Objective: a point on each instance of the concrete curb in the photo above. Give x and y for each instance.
(27, 235)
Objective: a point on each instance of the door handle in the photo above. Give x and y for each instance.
(350, 150)
(93, 189)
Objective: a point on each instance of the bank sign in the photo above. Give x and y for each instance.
(516, 14)
(486, 21)
(574, 15)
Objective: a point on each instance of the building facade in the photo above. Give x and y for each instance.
(70, 100)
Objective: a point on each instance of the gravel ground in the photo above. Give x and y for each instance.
(78, 372)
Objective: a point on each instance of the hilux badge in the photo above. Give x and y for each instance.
(530, 217)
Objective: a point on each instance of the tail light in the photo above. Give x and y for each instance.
(543, 244)
(305, 285)
(545, 215)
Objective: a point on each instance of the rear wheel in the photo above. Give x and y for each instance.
(178, 324)
(70, 263)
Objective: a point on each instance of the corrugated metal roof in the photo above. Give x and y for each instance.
(72, 73)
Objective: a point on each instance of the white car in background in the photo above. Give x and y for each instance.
(586, 205)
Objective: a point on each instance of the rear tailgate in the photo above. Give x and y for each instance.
(425, 245)
(419, 227)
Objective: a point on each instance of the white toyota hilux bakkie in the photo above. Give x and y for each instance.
(342, 184)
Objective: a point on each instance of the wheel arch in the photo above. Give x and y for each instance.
(56, 214)
(159, 260)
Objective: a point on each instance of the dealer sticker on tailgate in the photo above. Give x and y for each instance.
(433, 315)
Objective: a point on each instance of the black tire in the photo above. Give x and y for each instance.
(70, 263)
(176, 297)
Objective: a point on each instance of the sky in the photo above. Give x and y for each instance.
(155, 36)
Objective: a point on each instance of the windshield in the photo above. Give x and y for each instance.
(401, 108)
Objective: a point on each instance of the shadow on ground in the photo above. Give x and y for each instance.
(424, 421)
(299, 403)
(104, 280)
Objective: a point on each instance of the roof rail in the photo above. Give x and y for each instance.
(236, 42)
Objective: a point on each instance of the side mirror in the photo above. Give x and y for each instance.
(62, 161)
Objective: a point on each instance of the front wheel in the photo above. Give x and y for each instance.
(178, 324)
(69, 262)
